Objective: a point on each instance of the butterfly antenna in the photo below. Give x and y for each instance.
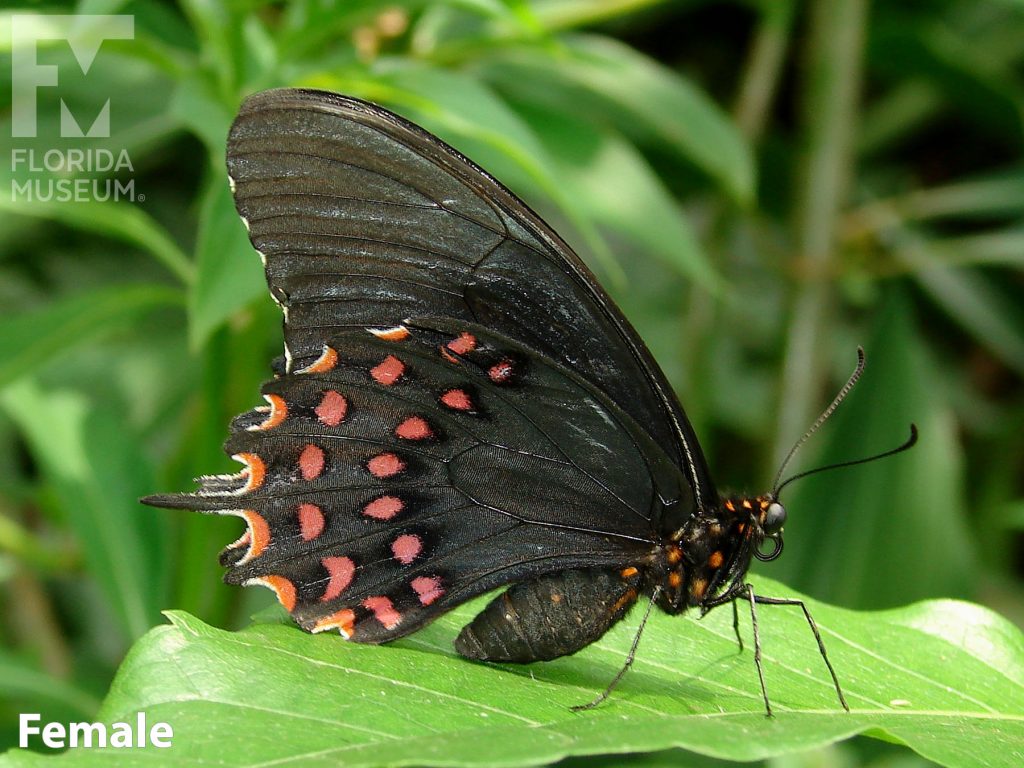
(909, 443)
(817, 424)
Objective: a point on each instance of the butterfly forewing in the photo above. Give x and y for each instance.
(364, 219)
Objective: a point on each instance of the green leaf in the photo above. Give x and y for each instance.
(608, 82)
(911, 675)
(30, 340)
(98, 471)
(621, 193)
(229, 270)
(21, 680)
(120, 221)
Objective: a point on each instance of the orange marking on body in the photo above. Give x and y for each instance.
(414, 428)
(428, 588)
(388, 371)
(255, 471)
(729, 506)
(283, 588)
(342, 620)
(741, 527)
(332, 409)
(398, 333)
(341, 570)
(674, 555)
(311, 462)
(628, 573)
(625, 600)
(716, 559)
(383, 610)
(697, 588)
(311, 521)
(383, 507)
(457, 400)
(463, 344)
(327, 361)
(385, 465)
(675, 579)
(746, 504)
(278, 412)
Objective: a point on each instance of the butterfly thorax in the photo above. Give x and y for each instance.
(710, 554)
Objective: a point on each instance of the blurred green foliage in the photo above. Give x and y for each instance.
(762, 185)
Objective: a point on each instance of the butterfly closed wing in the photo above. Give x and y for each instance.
(460, 406)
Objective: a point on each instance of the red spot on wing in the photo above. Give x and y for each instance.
(385, 465)
(428, 588)
(383, 610)
(414, 428)
(342, 621)
(311, 521)
(311, 462)
(457, 400)
(383, 507)
(406, 548)
(332, 409)
(463, 344)
(501, 372)
(341, 570)
(389, 371)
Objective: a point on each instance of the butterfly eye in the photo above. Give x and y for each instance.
(774, 519)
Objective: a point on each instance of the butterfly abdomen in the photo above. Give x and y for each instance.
(551, 616)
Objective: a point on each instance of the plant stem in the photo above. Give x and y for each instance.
(832, 76)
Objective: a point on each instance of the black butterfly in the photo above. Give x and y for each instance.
(460, 407)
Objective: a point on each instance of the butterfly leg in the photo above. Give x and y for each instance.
(736, 624)
(814, 629)
(554, 615)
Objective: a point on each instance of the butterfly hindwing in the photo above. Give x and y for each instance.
(402, 471)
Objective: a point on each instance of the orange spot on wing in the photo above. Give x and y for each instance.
(278, 412)
(398, 333)
(327, 361)
(342, 621)
(255, 471)
(283, 588)
(260, 534)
